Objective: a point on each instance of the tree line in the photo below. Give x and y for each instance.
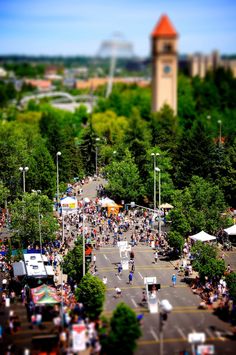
(197, 154)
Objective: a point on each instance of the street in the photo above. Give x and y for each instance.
(185, 317)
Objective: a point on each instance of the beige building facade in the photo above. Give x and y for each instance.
(164, 65)
(200, 64)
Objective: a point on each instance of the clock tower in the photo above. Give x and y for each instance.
(164, 65)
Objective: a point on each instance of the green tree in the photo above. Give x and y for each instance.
(4, 193)
(164, 128)
(73, 261)
(198, 207)
(60, 131)
(124, 331)
(186, 102)
(124, 179)
(176, 241)
(231, 284)
(206, 261)
(109, 126)
(13, 154)
(32, 216)
(194, 155)
(138, 129)
(91, 292)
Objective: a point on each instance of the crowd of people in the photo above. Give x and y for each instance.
(99, 229)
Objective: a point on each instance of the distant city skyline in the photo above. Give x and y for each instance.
(75, 27)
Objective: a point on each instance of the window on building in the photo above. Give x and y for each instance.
(167, 47)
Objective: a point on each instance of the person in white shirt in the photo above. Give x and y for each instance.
(118, 292)
(104, 280)
(94, 259)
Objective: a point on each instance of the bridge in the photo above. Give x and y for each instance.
(59, 94)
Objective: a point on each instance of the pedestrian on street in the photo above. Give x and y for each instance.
(130, 278)
(119, 269)
(144, 298)
(104, 280)
(94, 259)
(155, 257)
(118, 292)
(131, 255)
(173, 279)
(132, 266)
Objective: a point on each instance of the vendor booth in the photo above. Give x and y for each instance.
(68, 204)
(202, 237)
(231, 230)
(112, 207)
(45, 294)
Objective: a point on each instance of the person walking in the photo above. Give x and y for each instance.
(130, 278)
(94, 259)
(155, 257)
(104, 280)
(118, 292)
(173, 279)
(119, 269)
(132, 266)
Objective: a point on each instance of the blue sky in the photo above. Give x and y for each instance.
(77, 27)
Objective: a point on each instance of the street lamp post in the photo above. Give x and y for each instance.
(57, 155)
(24, 170)
(83, 236)
(154, 179)
(39, 221)
(96, 156)
(159, 198)
(220, 122)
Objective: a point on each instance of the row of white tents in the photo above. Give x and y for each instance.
(205, 237)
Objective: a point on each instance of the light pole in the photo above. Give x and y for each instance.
(83, 236)
(96, 156)
(159, 198)
(24, 170)
(39, 221)
(154, 179)
(57, 155)
(165, 308)
(220, 122)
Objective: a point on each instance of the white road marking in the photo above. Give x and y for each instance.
(106, 257)
(181, 332)
(219, 335)
(140, 275)
(134, 303)
(118, 277)
(154, 334)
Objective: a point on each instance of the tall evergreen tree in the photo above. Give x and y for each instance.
(194, 155)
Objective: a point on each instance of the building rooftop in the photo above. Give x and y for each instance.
(164, 28)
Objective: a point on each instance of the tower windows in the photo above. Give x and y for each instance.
(167, 47)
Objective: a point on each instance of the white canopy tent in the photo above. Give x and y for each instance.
(106, 202)
(68, 204)
(202, 237)
(231, 230)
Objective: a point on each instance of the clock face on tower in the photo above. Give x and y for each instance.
(166, 69)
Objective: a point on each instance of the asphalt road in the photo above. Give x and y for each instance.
(185, 317)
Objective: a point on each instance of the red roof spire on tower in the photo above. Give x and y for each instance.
(164, 28)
